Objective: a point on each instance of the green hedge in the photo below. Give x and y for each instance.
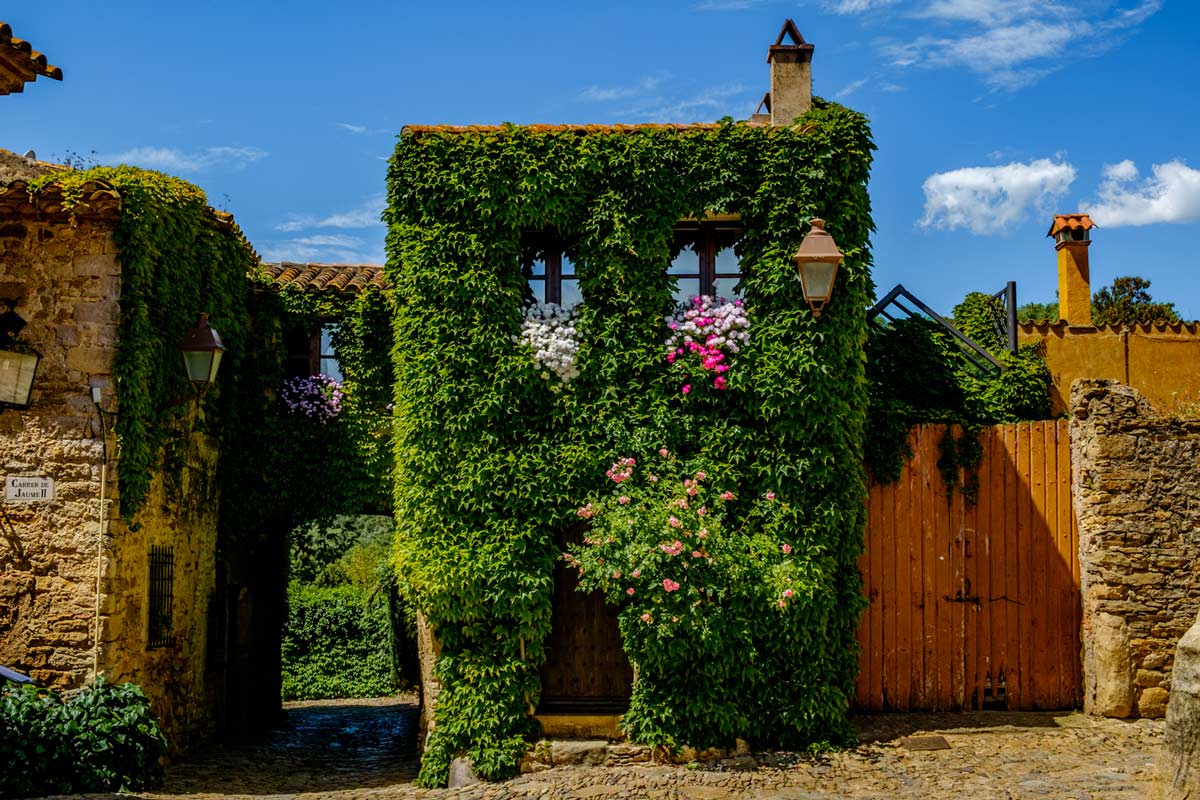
(337, 643)
(493, 463)
(100, 739)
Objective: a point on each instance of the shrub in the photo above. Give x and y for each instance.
(101, 738)
(337, 643)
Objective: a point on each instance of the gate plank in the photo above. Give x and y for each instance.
(888, 593)
(929, 571)
(1042, 632)
(876, 596)
(1070, 693)
(1012, 578)
(944, 589)
(902, 699)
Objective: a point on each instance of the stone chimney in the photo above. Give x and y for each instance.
(791, 76)
(1072, 238)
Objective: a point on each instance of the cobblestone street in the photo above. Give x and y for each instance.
(366, 749)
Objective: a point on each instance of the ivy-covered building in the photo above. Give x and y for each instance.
(123, 552)
(703, 478)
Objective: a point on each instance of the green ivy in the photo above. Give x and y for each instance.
(918, 373)
(491, 465)
(176, 259)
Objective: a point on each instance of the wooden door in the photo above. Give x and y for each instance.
(586, 670)
(974, 605)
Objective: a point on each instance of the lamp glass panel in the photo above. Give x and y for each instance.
(199, 364)
(16, 377)
(216, 362)
(817, 279)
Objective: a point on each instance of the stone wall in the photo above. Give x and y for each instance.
(65, 274)
(1136, 487)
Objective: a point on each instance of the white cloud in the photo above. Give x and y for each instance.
(170, 159)
(857, 6)
(365, 215)
(729, 5)
(1014, 43)
(606, 94)
(850, 88)
(711, 103)
(321, 249)
(1172, 194)
(987, 200)
(346, 126)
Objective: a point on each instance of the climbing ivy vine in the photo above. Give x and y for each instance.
(492, 466)
(177, 258)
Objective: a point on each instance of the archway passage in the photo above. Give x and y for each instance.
(323, 747)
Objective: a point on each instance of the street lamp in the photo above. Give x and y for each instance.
(18, 363)
(202, 351)
(817, 259)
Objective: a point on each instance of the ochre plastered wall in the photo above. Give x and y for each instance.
(65, 274)
(1161, 361)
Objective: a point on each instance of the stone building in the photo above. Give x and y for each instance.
(82, 591)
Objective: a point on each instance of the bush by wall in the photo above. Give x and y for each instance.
(102, 738)
(493, 465)
(337, 643)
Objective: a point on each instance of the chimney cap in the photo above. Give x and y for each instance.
(1071, 222)
(798, 50)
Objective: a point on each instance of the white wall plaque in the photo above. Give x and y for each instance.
(28, 490)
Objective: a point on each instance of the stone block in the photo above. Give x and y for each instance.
(586, 752)
(1152, 703)
(95, 264)
(1111, 672)
(1178, 774)
(462, 773)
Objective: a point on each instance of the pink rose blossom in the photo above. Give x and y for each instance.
(670, 585)
(726, 495)
(697, 554)
(701, 511)
(653, 479)
(770, 495)
(783, 604)
(663, 452)
(645, 617)
(637, 573)
(787, 549)
(617, 574)
(700, 476)
(787, 593)
(703, 532)
(687, 387)
(674, 522)
(623, 499)
(629, 591)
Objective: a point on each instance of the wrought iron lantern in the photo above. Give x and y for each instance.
(202, 351)
(18, 363)
(818, 259)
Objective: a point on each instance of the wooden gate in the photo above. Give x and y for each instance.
(974, 605)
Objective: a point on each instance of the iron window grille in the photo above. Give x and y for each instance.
(162, 588)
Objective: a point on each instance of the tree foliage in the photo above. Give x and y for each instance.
(1128, 302)
(492, 465)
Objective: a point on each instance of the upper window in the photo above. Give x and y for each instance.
(328, 363)
(548, 269)
(703, 259)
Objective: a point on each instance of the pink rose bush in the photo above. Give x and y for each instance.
(676, 551)
(705, 338)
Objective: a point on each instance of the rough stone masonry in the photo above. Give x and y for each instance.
(1136, 486)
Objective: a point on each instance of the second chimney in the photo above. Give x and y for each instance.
(1072, 237)
(791, 76)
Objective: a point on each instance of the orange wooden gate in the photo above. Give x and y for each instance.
(974, 605)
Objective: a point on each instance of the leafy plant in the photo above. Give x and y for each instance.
(1128, 302)
(101, 738)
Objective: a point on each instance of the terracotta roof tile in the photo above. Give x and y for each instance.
(1063, 327)
(1071, 221)
(97, 199)
(20, 63)
(342, 278)
(417, 130)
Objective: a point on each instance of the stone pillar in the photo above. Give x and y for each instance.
(428, 650)
(1178, 775)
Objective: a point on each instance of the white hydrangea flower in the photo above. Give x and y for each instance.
(550, 332)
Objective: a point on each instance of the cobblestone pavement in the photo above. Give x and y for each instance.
(367, 750)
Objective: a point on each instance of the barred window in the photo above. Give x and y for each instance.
(162, 587)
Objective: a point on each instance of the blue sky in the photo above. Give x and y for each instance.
(990, 115)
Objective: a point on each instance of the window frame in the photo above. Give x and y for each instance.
(160, 598)
(549, 247)
(708, 237)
